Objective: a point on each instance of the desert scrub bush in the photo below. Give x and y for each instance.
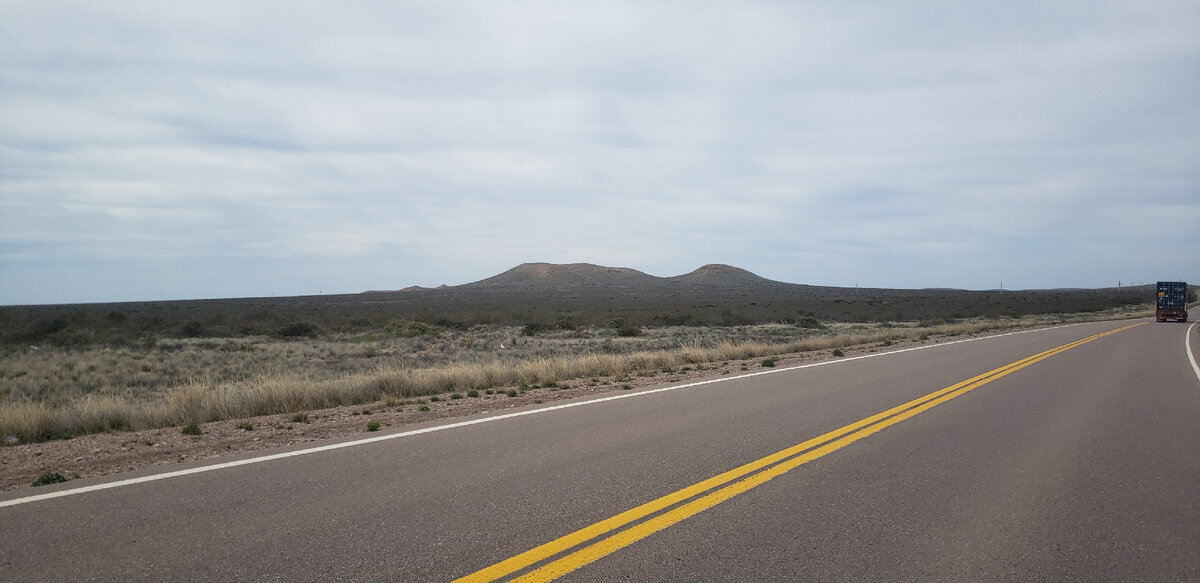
(300, 418)
(191, 429)
(770, 362)
(411, 329)
(838, 352)
(298, 330)
(49, 478)
(192, 329)
(373, 426)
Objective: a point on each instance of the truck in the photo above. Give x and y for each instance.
(1172, 301)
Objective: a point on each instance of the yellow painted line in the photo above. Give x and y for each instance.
(777, 464)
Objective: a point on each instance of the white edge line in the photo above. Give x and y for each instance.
(279, 456)
(1187, 346)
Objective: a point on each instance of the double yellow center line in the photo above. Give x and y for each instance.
(677, 506)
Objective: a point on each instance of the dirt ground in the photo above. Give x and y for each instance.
(113, 453)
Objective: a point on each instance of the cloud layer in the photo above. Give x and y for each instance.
(218, 149)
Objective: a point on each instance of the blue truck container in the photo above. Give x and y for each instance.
(1172, 301)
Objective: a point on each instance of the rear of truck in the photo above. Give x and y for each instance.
(1172, 301)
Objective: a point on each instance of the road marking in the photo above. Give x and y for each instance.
(410, 433)
(1187, 345)
(684, 503)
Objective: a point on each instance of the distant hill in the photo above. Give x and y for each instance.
(532, 276)
(576, 294)
(540, 277)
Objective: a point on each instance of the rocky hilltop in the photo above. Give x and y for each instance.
(533, 277)
(558, 276)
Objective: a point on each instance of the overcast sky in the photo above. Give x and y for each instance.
(169, 150)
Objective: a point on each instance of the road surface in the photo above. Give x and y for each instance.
(957, 462)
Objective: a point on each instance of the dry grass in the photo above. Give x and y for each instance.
(58, 393)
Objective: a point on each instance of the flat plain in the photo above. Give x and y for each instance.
(267, 371)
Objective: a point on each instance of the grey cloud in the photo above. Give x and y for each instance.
(815, 143)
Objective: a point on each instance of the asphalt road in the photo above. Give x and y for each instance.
(1084, 465)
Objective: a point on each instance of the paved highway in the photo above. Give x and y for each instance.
(968, 461)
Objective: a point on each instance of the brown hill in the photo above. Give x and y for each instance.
(716, 274)
(531, 276)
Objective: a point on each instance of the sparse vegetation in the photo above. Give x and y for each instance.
(301, 417)
(191, 429)
(93, 372)
(373, 426)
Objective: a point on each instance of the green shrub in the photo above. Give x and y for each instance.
(300, 418)
(770, 362)
(373, 426)
(838, 352)
(49, 478)
(191, 429)
(411, 329)
(298, 330)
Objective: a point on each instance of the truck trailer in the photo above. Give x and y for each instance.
(1172, 301)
